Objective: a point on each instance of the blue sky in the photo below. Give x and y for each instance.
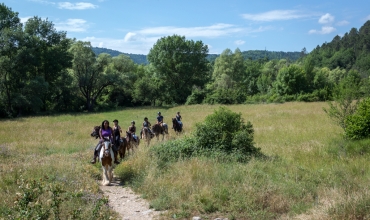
(134, 26)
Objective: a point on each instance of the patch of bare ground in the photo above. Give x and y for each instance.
(126, 203)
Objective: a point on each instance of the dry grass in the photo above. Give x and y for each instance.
(303, 179)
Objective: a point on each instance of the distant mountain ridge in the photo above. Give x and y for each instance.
(250, 54)
(137, 58)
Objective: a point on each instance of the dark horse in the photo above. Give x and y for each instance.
(158, 129)
(95, 132)
(176, 125)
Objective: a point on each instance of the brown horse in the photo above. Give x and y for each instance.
(106, 157)
(158, 129)
(146, 136)
(176, 125)
(123, 146)
(131, 142)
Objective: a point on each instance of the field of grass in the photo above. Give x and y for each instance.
(309, 172)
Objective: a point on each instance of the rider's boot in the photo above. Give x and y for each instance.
(93, 160)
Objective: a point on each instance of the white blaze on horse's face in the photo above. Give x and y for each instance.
(106, 148)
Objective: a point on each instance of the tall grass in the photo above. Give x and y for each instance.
(308, 171)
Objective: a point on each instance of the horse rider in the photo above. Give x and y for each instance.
(132, 130)
(160, 119)
(117, 137)
(104, 132)
(146, 124)
(178, 118)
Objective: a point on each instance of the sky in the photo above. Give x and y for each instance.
(134, 26)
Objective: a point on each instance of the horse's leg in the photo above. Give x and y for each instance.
(110, 173)
(123, 151)
(105, 175)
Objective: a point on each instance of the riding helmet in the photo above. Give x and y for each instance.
(145, 118)
(159, 113)
(133, 122)
(115, 120)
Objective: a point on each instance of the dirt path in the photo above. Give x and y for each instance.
(128, 204)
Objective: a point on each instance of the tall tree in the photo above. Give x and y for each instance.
(181, 64)
(89, 72)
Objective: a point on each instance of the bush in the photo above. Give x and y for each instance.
(358, 124)
(222, 133)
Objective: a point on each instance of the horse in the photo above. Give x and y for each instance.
(131, 142)
(121, 148)
(106, 158)
(146, 136)
(124, 145)
(176, 125)
(158, 129)
(95, 132)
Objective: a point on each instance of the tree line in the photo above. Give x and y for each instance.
(42, 71)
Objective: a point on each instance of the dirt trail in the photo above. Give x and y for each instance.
(128, 204)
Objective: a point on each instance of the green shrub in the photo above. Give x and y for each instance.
(358, 124)
(223, 136)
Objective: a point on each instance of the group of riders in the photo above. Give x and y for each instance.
(114, 134)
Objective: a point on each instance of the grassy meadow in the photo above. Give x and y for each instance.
(308, 171)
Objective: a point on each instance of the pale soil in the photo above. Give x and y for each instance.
(126, 203)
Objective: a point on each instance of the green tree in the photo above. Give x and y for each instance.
(346, 96)
(11, 35)
(290, 80)
(149, 88)
(90, 72)
(125, 69)
(358, 124)
(46, 50)
(181, 64)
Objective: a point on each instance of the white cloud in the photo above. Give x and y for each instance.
(326, 19)
(25, 19)
(76, 6)
(274, 15)
(130, 37)
(142, 40)
(43, 2)
(239, 42)
(207, 31)
(324, 30)
(342, 23)
(137, 47)
(72, 25)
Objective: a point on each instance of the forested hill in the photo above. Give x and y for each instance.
(137, 58)
(250, 54)
(351, 51)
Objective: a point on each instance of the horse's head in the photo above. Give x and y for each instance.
(174, 121)
(95, 132)
(107, 145)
